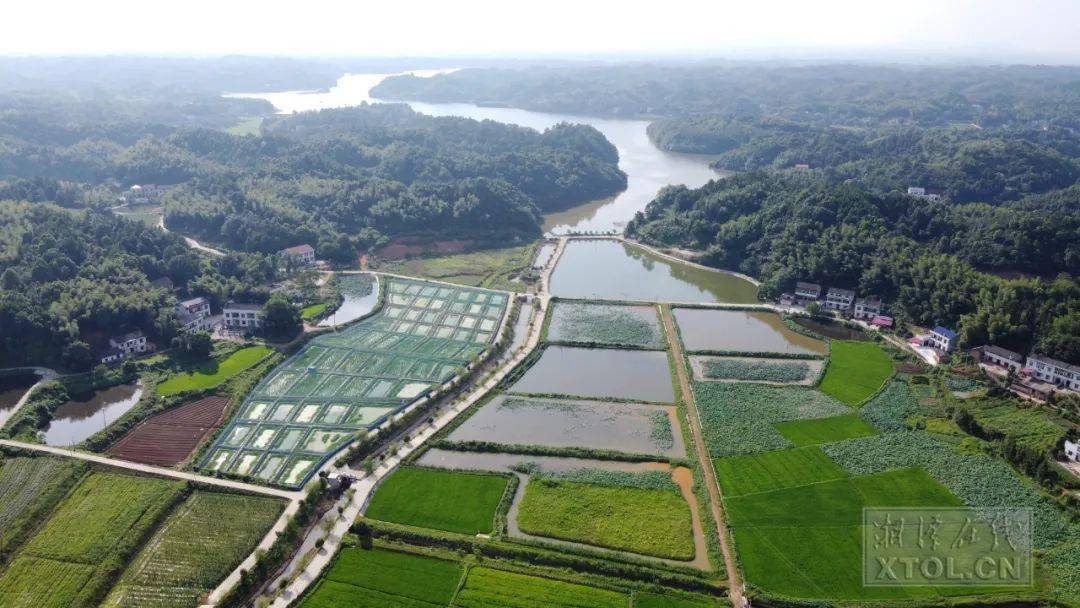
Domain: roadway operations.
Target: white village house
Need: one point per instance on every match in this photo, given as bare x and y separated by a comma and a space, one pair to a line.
919, 192
840, 299
194, 314
807, 291
300, 255
867, 308
941, 338
1058, 373
127, 345
243, 316
1002, 357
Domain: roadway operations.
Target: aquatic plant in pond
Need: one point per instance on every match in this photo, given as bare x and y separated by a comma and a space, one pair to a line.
606, 324
759, 371
890, 408
350, 380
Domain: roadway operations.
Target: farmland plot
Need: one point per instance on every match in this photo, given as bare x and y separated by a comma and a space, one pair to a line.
624, 427
385, 579
196, 547
29, 484
351, 380
443, 500
606, 324
856, 371
489, 588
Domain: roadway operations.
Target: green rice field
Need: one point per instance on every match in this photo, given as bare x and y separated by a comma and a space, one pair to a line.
213, 373
443, 500
339, 383
653, 600
645, 521
769, 471
378, 578
856, 370
195, 548
490, 588
816, 431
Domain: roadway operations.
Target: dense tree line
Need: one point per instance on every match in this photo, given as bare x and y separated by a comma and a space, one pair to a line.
66, 275
916, 254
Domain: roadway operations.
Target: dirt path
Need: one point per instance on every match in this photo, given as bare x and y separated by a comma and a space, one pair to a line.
735, 591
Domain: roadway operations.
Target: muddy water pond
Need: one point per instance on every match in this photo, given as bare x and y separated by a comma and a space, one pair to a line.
612, 270
12, 388
360, 293
501, 462
623, 427
593, 372
741, 331
83, 416
836, 331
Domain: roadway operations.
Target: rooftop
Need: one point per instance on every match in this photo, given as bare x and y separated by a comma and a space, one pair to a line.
840, 291
194, 302
1004, 353
305, 248
944, 331
1055, 363
242, 306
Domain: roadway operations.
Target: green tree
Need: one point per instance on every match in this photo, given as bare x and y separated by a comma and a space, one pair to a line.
280, 317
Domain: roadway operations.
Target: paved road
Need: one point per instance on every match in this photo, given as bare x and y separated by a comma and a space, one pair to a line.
45, 373
731, 565
190, 241
152, 470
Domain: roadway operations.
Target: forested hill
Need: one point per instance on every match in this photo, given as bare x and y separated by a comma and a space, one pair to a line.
342, 180
65, 274
345, 179
919, 255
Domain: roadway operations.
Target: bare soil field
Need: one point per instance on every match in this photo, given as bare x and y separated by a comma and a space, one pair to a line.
168, 438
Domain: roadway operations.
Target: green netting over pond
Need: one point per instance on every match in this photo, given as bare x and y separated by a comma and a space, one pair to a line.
311, 405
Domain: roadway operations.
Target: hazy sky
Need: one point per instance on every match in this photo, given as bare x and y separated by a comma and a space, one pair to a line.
1042, 30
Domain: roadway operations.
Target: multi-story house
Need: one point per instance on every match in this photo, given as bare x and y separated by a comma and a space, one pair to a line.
300, 255
806, 292
194, 314
867, 308
941, 338
1058, 373
247, 317
840, 299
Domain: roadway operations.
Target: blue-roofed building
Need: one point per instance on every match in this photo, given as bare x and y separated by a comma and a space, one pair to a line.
941, 338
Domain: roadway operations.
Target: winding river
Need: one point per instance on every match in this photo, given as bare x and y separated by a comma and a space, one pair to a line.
647, 167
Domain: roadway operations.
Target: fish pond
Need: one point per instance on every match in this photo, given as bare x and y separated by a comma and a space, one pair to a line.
831, 329
12, 388
608, 269
740, 331
360, 294
622, 427
599, 372
78, 419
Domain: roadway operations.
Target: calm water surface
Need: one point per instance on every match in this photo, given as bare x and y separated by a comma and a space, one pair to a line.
742, 331
612, 270
357, 300
78, 419
647, 167
624, 427
12, 388
835, 331
594, 372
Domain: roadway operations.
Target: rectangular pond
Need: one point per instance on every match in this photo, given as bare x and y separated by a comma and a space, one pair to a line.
612, 270
623, 427
594, 372
606, 324
741, 331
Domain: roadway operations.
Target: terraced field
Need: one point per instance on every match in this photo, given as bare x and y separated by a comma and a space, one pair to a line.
340, 383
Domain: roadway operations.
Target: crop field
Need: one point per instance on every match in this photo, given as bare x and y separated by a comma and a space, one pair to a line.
25, 482
606, 324
816, 431
94, 527
168, 438
805, 541
890, 408
385, 579
645, 521
489, 588
768, 471
443, 500
1030, 427
856, 371
194, 549
213, 373
624, 427
653, 600
491, 268
738, 418
755, 370
340, 383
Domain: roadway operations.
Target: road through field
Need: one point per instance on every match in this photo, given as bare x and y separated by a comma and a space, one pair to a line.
735, 591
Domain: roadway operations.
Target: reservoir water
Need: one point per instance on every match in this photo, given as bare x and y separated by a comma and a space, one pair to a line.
81, 417
647, 167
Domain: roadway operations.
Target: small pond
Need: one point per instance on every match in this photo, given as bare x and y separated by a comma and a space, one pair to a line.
623, 427
612, 270
78, 419
741, 331
360, 293
836, 331
593, 372
12, 388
